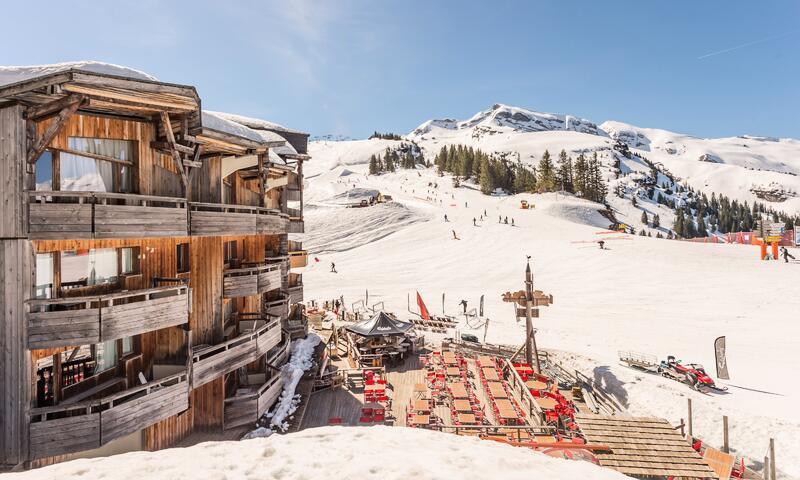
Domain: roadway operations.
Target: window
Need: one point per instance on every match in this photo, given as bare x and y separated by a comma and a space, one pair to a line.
44, 275
182, 251
127, 345
105, 355
96, 266
79, 173
227, 192
129, 260
230, 251
44, 172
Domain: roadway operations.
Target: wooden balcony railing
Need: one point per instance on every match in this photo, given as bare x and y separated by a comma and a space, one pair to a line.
90, 424
294, 194
280, 353
296, 226
210, 362
86, 215
251, 280
63, 322
278, 306
295, 288
294, 213
249, 404
225, 219
298, 258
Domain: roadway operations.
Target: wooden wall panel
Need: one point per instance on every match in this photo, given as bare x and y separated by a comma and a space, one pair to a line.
16, 285
208, 405
206, 185
206, 280
13, 145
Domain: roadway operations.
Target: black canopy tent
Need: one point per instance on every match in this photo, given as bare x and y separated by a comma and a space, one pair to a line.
380, 325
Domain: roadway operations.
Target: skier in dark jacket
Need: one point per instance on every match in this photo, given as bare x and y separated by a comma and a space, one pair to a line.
786, 255
463, 303
445, 218
333, 267
474, 224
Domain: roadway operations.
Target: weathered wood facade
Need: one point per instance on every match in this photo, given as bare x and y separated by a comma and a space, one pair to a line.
144, 267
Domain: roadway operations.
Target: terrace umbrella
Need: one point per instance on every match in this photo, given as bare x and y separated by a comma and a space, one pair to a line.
380, 325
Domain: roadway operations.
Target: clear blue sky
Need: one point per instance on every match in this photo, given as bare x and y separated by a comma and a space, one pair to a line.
349, 67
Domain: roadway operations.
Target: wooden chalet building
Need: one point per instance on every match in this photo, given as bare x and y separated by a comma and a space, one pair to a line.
145, 283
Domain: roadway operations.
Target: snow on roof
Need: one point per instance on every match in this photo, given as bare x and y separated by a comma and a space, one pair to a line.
15, 74
215, 121
383, 452
258, 124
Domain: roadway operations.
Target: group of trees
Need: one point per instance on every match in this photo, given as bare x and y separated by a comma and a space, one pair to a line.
406, 156
702, 216
385, 136
582, 177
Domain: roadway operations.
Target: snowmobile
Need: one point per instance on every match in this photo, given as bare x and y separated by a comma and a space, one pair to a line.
692, 374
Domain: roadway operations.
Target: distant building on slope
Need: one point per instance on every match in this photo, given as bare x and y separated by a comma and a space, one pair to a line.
145, 268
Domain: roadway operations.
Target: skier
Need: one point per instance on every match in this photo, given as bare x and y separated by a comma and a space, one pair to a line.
445, 218
474, 224
465, 204
505, 221
512, 222
786, 255
602, 244
499, 219
455, 237
485, 214
333, 268
464, 304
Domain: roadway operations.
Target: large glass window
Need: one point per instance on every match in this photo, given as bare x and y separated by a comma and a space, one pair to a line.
44, 171
129, 260
84, 173
105, 355
95, 266
44, 275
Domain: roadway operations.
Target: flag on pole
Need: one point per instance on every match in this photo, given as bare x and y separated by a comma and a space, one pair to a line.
423, 310
481, 309
722, 362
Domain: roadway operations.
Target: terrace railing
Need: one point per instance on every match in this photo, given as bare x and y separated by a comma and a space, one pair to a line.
62, 322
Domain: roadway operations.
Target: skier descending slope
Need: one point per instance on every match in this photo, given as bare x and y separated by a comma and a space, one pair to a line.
786, 255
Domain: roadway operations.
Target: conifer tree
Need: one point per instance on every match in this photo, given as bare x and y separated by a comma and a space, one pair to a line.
547, 177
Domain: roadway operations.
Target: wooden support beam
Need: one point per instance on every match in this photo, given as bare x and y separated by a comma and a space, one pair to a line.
166, 147
40, 112
95, 156
41, 143
176, 156
196, 160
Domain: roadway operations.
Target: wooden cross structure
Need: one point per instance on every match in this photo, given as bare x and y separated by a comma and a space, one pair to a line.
526, 306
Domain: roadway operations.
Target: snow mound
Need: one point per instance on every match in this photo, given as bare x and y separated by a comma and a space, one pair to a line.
302, 359
14, 74
572, 209
354, 195
331, 231
368, 453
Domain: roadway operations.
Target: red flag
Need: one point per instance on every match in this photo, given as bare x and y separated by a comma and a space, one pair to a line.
423, 310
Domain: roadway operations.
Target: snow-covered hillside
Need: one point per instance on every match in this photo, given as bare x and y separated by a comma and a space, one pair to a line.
657, 296
738, 167
368, 453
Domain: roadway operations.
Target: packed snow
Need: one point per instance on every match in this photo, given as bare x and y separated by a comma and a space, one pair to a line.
15, 74
219, 122
369, 453
656, 296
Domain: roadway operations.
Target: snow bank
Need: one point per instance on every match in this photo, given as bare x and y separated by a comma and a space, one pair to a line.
368, 453
14, 74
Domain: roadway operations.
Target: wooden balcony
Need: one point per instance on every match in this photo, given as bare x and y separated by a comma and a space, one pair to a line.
224, 219
251, 402
298, 258
64, 322
90, 424
295, 288
278, 306
251, 280
87, 215
210, 362
294, 194
296, 226
279, 354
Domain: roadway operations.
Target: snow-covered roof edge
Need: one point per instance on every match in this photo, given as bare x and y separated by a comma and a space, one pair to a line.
258, 124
